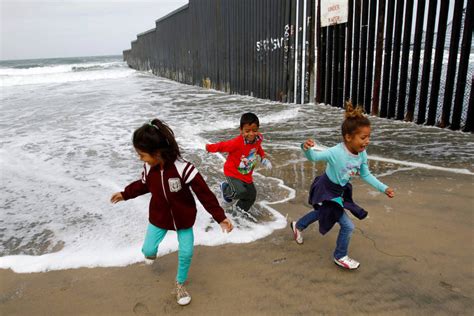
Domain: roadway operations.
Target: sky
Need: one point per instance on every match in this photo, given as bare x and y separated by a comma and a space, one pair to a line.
69, 28
32, 29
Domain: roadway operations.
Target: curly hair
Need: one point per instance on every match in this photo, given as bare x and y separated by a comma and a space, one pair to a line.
354, 118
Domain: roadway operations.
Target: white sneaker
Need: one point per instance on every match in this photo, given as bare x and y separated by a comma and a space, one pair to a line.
297, 234
347, 263
182, 296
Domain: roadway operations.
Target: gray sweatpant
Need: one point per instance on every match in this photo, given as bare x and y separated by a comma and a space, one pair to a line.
244, 192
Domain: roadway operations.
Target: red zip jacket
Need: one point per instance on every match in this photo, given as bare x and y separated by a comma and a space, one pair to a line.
172, 205
242, 156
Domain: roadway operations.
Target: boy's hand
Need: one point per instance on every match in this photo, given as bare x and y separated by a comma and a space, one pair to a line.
266, 163
226, 225
308, 144
116, 197
389, 192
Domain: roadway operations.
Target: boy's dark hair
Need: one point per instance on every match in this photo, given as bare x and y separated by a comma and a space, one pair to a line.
154, 137
249, 118
354, 118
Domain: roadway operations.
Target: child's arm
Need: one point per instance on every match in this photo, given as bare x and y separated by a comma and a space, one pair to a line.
367, 176
263, 160
135, 189
131, 191
221, 147
209, 201
313, 155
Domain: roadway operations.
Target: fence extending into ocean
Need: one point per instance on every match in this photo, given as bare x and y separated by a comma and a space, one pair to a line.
405, 60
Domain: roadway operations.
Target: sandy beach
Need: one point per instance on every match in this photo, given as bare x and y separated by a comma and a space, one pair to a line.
416, 254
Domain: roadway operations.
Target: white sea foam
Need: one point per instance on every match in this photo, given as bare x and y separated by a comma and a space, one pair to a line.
106, 254
45, 70
64, 149
421, 165
410, 164
74, 154
63, 73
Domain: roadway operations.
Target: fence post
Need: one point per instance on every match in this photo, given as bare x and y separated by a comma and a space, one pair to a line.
355, 50
378, 59
347, 82
453, 56
319, 58
329, 67
463, 65
438, 62
336, 74
405, 59
340, 84
370, 57
469, 126
425, 77
363, 53
388, 58
392, 104
415, 61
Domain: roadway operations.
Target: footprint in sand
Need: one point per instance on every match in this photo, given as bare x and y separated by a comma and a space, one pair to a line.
141, 309
449, 287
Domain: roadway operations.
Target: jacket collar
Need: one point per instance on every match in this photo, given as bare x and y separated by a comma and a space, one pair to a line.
256, 140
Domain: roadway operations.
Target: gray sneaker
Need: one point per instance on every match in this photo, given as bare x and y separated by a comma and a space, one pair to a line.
224, 185
297, 234
182, 296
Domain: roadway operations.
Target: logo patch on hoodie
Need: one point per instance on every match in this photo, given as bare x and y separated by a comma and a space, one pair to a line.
174, 184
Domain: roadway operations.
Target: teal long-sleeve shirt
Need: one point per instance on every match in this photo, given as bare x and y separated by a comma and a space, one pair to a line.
342, 165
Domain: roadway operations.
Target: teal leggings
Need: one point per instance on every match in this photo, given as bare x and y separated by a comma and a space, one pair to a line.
153, 238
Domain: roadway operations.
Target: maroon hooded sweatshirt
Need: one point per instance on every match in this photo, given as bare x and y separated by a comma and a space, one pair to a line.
172, 205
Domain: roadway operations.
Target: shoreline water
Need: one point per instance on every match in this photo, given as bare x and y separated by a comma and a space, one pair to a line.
412, 250
423, 230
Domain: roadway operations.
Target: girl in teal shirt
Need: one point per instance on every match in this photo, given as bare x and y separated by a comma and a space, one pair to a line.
332, 192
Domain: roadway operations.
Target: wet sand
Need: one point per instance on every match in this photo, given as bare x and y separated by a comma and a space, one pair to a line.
416, 254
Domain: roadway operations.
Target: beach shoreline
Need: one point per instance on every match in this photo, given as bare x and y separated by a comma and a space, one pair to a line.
415, 252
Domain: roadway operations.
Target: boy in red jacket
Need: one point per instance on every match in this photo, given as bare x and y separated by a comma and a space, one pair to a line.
241, 160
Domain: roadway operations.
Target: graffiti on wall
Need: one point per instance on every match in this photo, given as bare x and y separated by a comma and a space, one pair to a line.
270, 44
267, 45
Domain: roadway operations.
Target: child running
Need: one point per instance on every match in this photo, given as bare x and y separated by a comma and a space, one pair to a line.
169, 179
241, 160
331, 192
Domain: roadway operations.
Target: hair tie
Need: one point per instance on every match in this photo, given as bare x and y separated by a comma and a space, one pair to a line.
151, 124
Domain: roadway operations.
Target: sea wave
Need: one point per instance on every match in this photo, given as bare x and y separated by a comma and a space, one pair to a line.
39, 69
63, 73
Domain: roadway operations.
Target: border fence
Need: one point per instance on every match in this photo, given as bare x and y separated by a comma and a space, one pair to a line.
399, 59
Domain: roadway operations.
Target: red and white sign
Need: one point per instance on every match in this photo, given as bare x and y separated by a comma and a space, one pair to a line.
334, 12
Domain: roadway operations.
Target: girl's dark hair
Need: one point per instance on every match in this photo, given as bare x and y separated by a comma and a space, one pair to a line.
354, 118
154, 137
248, 118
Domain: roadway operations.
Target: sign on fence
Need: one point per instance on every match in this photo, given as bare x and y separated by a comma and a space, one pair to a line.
334, 12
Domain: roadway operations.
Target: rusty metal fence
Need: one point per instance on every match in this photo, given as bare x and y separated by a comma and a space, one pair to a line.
238, 46
401, 59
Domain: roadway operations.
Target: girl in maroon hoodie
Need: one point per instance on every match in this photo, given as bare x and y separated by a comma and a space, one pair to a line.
169, 179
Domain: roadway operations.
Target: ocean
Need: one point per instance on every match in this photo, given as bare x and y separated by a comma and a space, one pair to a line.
65, 147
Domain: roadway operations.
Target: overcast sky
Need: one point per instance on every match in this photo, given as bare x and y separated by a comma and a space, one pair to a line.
69, 28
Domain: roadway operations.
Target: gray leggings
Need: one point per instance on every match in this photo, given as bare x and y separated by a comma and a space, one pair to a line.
244, 192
